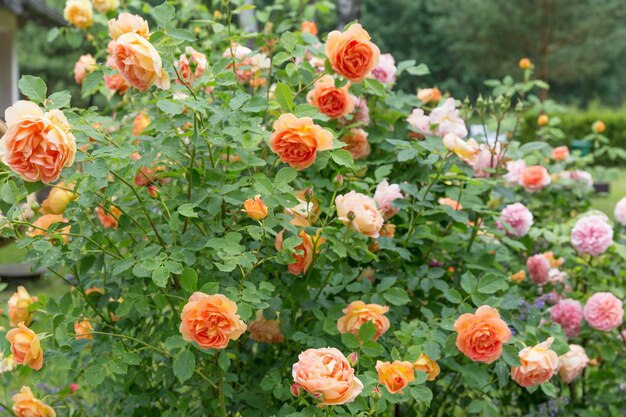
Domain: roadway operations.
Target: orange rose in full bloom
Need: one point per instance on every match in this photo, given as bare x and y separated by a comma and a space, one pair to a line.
357, 143
395, 375
535, 178
309, 27
128, 23
18, 307
109, 219
83, 329
358, 313
560, 153
329, 100
139, 63
297, 140
37, 145
211, 321
351, 53
25, 347
427, 365
26, 405
537, 364
255, 208
480, 335
266, 331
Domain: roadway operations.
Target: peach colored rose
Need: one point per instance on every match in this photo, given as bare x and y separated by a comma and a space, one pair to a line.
537, 364
105, 6
427, 365
7, 363
388, 230
518, 277
535, 178
306, 213
37, 145
327, 375
79, 13
357, 143
543, 120
248, 66
560, 153
359, 212
83, 329
211, 321
139, 63
351, 53
304, 251
572, 363
84, 65
395, 375
18, 307
428, 95
297, 140
309, 27
128, 23
266, 331
358, 313
446, 201
480, 335
467, 151
58, 199
25, 347
255, 208
140, 123
598, 126
26, 405
43, 223
332, 101
109, 218
191, 65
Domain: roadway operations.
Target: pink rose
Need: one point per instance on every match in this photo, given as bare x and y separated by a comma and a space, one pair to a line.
537, 364
569, 314
560, 153
446, 118
518, 217
578, 177
572, 363
139, 62
191, 65
515, 170
84, 65
386, 70
419, 121
487, 159
359, 212
539, 268
592, 235
385, 195
604, 311
620, 211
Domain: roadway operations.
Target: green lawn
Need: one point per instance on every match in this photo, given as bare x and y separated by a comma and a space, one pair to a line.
606, 203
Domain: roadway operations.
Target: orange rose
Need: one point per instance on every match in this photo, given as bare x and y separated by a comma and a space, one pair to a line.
58, 199
43, 223
598, 126
83, 329
306, 213
427, 95
388, 230
37, 145
211, 321
266, 331
79, 13
109, 218
543, 120
357, 143
560, 153
84, 65
525, 63
309, 27
255, 208
518, 276
297, 140
480, 335
304, 251
351, 53
358, 313
329, 100
26, 405
535, 178
25, 346
537, 364
396, 375
18, 307
139, 62
427, 365
140, 123
128, 23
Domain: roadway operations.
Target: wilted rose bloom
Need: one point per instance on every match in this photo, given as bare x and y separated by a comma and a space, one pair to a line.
569, 314
25, 347
388, 230
385, 195
358, 313
603, 311
359, 212
109, 218
140, 123
515, 169
255, 208
386, 70
487, 158
518, 217
537, 364
26, 405
535, 178
128, 23
18, 307
446, 119
427, 365
191, 65
538, 268
480, 335
395, 375
560, 153
447, 201
79, 13
329, 100
467, 151
83, 329
37, 145
297, 140
357, 143
351, 54
572, 363
58, 199
308, 27
419, 121
429, 94
84, 65
139, 62
105, 6
306, 213
266, 331
620, 211
592, 235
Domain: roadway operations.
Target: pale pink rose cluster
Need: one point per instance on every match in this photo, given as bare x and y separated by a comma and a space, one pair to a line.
572, 363
385, 195
515, 169
604, 311
569, 314
518, 218
538, 268
620, 211
386, 70
442, 120
578, 177
592, 235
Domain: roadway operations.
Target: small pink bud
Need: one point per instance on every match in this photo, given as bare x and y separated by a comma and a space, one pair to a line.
73, 388
376, 392
296, 390
353, 358
318, 396
154, 191
338, 179
308, 193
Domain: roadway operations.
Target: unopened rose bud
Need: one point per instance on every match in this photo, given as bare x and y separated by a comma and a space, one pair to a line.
154, 191
296, 390
73, 388
525, 63
543, 120
338, 180
318, 396
308, 194
353, 358
376, 392
255, 208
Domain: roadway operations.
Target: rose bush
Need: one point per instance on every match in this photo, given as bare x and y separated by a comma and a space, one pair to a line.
274, 230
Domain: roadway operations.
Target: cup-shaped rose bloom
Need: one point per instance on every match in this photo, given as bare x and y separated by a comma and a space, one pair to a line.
211, 321
332, 101
79, 13
535, 178
26, 405
351, 53
467, 151
569, 314
560, 153
385, 195
604, 311
454, 204
105, 6
18, 307
115, 82
358, 313
58, 199
25, 347
572, 363
538, 268
327, 375
255, 208
386, 70
357, 143
592, 235
620, 211
266, 331
396, 375
83, 329
128, 23
309, 27
428, 95
191, 65
427, 365
537, 364
139, 62
84, 65
518, 218
515, 170
297, 140
109, 219
359, 212
37, 145
480, 335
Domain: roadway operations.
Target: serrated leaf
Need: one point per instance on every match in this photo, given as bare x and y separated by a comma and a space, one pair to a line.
58, 100
284, 97
184, 365
33, 87
189, 280
342, 157
491, 283
160, 276
164, 14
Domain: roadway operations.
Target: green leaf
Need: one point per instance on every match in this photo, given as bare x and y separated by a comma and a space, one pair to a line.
59, 100
171, 106
160, 276
189, 280
175, 342
396, 296
418, 70
187, 210
342, 157
95, 375
97, 168
284, 96
468, 282
421, 394
549, 389
91, 83
182, 34
289, 40
491, 283
285, 176
367, 331
33, 87
453, 296
184, 365
164, 14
